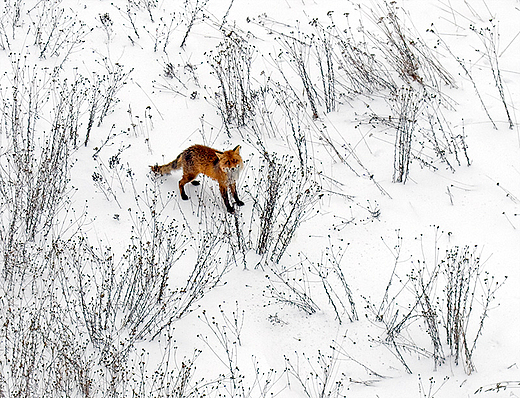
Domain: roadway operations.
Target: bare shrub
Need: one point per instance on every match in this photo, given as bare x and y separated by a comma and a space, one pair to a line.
171, 379
291, 287
468, 74
298, 52
323, 379
193, 10
123, 302
55, 32
231, 64
102, 95
464, 283
404, 51
360, 71
9, 22
365, 63
34, 174
134, 297
324, 49
335, 284
488, 36
148, 5
224, 342
423, 284
282, 197
407, 108
284, 188
106, 23
465, 276
113, 176
44, 352
422, 132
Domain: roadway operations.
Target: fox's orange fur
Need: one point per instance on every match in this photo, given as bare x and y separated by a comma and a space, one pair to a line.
223, 167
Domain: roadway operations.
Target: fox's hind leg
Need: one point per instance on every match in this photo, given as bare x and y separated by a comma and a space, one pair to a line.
184, 180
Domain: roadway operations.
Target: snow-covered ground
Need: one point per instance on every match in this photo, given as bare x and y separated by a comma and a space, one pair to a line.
123, 289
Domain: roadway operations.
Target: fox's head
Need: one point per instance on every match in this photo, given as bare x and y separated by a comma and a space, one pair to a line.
230, 162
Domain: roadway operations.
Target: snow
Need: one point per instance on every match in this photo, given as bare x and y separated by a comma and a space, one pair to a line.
382, 234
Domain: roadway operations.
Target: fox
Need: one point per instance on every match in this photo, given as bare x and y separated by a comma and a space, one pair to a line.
224, 167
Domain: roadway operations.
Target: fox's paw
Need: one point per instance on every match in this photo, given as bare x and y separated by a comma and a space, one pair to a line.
184, 196
240, 203
231, 209
195, 182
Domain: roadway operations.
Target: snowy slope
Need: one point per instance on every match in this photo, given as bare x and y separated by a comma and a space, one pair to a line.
138, 293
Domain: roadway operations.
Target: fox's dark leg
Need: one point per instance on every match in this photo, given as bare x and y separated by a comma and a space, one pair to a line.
223, 192
184, 180
235, 195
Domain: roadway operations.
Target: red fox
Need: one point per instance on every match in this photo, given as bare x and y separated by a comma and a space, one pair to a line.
223, 167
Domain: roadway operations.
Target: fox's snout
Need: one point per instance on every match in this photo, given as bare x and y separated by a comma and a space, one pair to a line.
231, 168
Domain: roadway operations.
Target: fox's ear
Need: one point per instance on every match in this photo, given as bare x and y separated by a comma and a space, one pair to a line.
219, 154
237, 149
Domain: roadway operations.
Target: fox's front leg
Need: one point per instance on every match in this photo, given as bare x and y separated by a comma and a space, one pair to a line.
224, 193
235, 195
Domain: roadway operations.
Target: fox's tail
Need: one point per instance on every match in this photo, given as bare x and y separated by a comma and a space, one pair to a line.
168, 167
